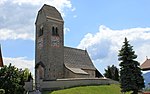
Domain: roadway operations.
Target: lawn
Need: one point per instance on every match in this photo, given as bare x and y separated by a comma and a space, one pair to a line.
102, 89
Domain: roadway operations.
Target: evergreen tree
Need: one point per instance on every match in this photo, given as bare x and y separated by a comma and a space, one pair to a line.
108, 73
130, 74
112, 73
116, 74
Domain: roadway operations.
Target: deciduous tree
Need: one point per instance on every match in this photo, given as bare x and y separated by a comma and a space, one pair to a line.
12, 79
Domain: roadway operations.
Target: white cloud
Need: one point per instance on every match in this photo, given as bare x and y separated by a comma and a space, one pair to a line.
18, 16
20, 62
66, 30
33, 2
75, 16
59, 4
11, 34
73, 9
2, 2
104, 45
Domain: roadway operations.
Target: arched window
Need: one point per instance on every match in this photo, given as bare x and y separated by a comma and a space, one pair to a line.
56, 30
41, 31
53, 31
40, 70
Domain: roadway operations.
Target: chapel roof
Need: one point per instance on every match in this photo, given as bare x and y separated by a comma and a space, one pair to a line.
49, 12
145, 65
77, 58
77, 70
1, 58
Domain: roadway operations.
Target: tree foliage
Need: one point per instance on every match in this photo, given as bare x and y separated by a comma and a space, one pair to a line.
130, 74
13, 79
112, 72
2, 91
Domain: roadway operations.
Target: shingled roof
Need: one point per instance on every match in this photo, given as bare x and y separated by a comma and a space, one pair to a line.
49, 12
77, 59
146, 65
1, 58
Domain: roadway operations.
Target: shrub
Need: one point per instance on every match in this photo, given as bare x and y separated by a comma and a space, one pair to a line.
2, 91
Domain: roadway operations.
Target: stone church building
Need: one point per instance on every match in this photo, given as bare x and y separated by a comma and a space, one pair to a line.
53, 60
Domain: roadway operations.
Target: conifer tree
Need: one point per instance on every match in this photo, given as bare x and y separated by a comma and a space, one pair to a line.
112, 73
130, 74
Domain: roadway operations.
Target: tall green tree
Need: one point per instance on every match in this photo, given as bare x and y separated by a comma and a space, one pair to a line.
112, 72
130, 74
12, 79
26, 74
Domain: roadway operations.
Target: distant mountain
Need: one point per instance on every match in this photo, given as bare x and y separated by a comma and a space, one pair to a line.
146, 78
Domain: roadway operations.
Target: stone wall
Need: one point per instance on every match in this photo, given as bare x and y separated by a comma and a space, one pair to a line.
29, 86
66, 83
90, 72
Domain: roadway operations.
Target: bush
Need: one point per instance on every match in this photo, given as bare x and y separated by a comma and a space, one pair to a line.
2, 91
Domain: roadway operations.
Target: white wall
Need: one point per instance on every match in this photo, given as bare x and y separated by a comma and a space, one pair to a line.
29, 86
66, 83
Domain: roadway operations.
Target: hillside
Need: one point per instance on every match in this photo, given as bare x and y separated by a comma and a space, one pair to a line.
102, 89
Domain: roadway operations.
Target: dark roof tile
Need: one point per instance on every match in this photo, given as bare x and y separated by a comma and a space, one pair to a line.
77, 58
51, 11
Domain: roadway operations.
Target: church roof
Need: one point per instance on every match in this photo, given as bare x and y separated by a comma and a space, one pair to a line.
1, 58
50, 12
77, 58
146, 65
77, 70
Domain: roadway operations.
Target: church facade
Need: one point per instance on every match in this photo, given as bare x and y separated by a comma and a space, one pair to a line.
53, 60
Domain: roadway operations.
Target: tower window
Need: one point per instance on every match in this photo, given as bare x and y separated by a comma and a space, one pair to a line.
41, 31
55, 31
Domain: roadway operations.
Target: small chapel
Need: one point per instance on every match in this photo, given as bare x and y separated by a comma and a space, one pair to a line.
53, 60
58, 66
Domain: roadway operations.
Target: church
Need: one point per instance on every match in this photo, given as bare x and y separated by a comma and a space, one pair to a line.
53, 60
58, 66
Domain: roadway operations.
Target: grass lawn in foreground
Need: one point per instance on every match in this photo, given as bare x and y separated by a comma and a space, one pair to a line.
102, 89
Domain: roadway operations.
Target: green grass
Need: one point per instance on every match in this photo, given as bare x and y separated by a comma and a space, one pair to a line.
102, 89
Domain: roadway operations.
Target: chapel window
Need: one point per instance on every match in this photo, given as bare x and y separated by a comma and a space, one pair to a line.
41, 72
41, 31
54, 31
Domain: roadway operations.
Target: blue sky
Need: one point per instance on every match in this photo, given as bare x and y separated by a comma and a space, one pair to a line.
99, 26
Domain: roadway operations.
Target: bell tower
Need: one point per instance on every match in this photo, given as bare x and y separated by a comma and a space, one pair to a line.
49, 54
